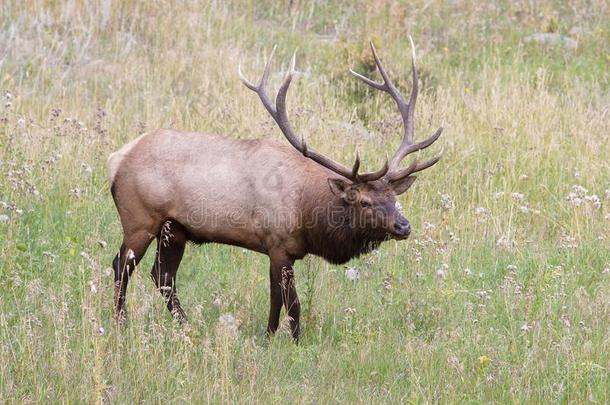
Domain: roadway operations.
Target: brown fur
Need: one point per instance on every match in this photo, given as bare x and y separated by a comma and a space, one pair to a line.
258, 194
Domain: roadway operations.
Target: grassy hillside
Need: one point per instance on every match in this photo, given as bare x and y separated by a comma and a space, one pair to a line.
502, 294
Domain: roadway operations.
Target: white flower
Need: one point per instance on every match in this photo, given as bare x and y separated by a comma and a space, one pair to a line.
525, 327
352, 273
101, 331
567, 241
441, 272
87, 168
92, 287
482, 214
467, 271
4, 218
505, 242
446, 202
594, 200
517, 196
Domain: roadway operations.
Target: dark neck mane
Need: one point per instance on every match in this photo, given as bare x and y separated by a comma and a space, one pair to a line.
340, 242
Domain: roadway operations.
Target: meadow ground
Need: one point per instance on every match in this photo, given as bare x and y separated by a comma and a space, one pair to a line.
502, 294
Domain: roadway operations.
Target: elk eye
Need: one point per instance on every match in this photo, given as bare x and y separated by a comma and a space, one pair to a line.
365, 204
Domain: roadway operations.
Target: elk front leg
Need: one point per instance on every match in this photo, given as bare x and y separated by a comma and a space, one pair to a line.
283, 291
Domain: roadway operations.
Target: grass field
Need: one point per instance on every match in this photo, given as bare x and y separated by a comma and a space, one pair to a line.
501, 295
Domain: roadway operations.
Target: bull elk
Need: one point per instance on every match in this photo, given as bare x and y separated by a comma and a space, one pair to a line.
285, 201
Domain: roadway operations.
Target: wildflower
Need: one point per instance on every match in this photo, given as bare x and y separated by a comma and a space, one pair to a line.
482, 214
524, 209
352, 273
102, 243
76, 192
525, 327
505, 242
467, 271
87, 168
523, 177
484, 361
92, 287
101, 331
441, 272
50, 255
498, 194
606, 270
594, 201
567, 241
447, 203
429, 226
517, 196
4, 218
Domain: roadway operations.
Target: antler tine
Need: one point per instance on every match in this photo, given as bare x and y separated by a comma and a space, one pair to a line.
356, 166
279, 114
414, 167
260, 87
407, 111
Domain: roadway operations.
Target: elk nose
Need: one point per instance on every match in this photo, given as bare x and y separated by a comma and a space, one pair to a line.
402, 227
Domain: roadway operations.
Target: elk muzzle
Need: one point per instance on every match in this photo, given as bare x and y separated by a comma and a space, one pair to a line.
402, 228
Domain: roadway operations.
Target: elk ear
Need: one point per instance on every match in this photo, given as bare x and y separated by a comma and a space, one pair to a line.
401, 185
338, 187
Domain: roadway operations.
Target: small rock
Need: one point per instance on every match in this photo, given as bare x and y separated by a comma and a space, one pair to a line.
352, 273
229, 324
552, 38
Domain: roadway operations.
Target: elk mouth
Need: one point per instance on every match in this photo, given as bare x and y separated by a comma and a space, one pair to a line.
399, 237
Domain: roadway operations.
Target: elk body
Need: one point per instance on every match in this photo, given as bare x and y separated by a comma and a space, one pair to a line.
282, 200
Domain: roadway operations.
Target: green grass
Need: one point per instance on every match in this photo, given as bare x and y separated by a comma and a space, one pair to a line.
498, 297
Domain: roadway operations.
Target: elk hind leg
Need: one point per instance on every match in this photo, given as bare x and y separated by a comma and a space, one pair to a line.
170, 248
132, 250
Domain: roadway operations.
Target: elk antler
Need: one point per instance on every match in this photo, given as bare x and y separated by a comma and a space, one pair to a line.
278, 112
406, 111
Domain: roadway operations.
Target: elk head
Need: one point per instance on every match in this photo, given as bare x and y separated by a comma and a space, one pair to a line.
370, 198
